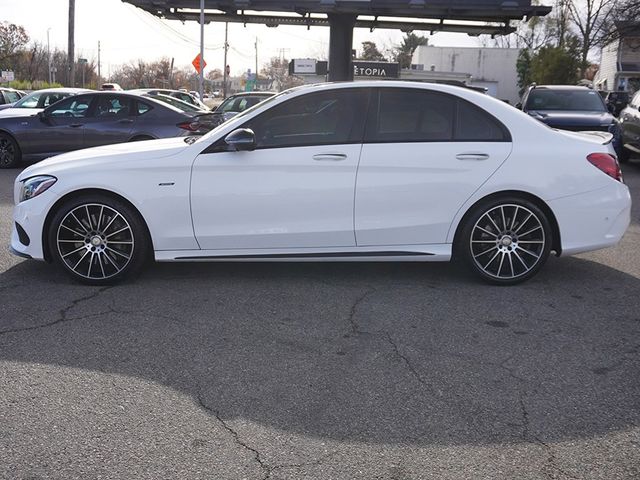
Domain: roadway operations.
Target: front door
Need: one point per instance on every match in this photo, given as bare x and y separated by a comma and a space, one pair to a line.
296, 189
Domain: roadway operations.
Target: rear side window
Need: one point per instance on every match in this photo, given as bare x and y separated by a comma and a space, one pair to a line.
142, 108
474, 124
412, 115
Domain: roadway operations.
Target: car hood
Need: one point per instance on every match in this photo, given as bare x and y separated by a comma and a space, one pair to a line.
108, 154
558, 119
19, 112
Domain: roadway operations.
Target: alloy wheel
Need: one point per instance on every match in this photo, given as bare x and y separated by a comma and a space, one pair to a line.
7, 152
95, 241
507, 241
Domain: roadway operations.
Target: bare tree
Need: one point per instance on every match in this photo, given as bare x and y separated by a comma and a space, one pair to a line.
592, 19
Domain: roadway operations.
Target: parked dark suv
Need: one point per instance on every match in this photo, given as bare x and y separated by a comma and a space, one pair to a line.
574, 108
630, 123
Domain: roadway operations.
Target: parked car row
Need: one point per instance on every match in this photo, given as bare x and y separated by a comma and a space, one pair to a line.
577, 108
53, 121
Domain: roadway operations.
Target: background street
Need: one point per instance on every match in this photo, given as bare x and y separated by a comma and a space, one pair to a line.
322, 371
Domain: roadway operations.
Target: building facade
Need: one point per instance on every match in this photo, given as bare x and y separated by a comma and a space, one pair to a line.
491, 68
620, 62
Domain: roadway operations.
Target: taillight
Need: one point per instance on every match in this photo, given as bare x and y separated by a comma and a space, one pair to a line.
606, 163
191, 126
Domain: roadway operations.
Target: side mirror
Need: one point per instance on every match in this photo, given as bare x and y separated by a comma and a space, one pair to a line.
242, 139
519, 106
611, 107
42, 115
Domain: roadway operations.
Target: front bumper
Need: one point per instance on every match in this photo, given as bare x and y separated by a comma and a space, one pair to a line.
31, 216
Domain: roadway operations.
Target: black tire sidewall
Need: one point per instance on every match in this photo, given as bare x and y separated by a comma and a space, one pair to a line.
17, 156
142, 244
464, 241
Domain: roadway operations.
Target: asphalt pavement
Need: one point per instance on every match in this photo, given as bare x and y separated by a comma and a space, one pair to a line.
322, 371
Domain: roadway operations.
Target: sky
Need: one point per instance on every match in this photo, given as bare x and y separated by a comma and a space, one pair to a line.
127, 33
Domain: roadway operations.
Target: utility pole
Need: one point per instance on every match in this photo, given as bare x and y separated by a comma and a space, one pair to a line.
226, 47
70, 52
99, 78
49, 55
201, 86
256, 45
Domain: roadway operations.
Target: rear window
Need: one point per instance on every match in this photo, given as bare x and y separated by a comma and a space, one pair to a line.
571, 100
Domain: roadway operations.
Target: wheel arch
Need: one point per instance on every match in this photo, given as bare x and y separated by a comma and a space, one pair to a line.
78, 193
556, 244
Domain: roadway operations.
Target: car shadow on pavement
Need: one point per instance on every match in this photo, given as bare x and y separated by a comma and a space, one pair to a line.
377, 353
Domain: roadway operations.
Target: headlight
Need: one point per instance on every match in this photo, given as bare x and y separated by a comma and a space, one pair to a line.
34, 186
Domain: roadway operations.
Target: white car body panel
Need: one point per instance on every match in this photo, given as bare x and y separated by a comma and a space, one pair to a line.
411, 199
274, 198
304, 216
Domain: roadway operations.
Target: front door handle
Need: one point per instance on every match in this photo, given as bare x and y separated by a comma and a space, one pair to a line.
76, 125
329, 157
472, 156
125, 120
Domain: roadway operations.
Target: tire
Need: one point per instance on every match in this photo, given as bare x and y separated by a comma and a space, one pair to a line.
505, 240
10, 154
98, 240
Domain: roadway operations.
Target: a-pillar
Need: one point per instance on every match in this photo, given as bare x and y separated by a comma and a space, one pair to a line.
340, 45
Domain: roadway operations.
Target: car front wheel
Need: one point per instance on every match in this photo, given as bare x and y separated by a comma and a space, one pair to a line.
10, 155
506, 240
98, 240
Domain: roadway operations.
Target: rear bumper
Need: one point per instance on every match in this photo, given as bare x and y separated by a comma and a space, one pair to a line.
593, 220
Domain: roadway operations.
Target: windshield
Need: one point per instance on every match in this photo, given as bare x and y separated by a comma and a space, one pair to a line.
574, 100
40, 99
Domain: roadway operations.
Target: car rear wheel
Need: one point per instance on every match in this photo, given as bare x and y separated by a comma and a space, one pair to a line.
98, 240
10, 155
506, 240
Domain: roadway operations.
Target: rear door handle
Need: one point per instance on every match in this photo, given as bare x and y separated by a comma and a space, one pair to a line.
329, 157
125, 120
472, 156
76, 125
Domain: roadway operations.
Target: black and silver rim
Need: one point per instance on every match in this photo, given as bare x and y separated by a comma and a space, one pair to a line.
95, 241
7, 152
507, 241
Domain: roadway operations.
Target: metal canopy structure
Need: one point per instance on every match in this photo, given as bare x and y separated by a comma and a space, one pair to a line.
474, 17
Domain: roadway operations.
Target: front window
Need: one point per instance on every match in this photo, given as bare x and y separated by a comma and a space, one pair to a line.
571, 100
75, 107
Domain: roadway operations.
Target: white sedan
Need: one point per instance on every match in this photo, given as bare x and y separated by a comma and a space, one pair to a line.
362, 171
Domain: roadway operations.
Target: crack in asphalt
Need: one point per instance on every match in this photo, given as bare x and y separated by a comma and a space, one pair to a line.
257, 456
236, 437
63, 312
355, 327
406, 361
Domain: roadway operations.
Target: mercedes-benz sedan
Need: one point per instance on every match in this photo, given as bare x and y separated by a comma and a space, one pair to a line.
340, 172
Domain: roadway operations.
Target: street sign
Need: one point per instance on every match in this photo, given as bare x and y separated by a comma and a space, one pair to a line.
83, 60
199, 63
7, 76
375, 69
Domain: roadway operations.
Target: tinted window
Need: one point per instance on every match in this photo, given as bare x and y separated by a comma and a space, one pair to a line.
572, 100
111, 106
12, 97
143, 108
334, 117
410, 115
474, 124
75, 107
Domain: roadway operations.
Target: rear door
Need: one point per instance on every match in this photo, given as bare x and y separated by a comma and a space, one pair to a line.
110, 121
425, 153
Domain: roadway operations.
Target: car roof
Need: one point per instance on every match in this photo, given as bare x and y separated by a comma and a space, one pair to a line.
562, 87
253, 94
